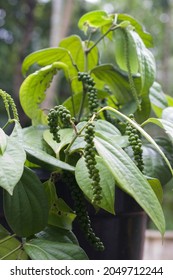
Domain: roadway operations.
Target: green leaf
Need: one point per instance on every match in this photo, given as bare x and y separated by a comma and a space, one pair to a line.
107, 183
10, 249
131, 180
94, 19
157, 188
56, 234
154, 164
3, 141
39, 249
38, 153
118, 83
73, 44
45, 57
141, 130
26, 210
165, 124
125, 50
60, 214
146, 37
32, 91
158, 99
77, 97
167, 114
66, 135
12, 164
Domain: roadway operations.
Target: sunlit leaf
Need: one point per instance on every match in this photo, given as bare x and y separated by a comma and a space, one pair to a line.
131, 180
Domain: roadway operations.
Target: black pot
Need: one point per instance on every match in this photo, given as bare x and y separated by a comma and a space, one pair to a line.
122, 234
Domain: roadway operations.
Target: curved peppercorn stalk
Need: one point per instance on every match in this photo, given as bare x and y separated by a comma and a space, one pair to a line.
81, 211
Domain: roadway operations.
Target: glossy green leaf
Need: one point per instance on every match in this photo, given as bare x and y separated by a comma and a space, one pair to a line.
38, 152
26, 210
66, 136
158, 99
107, 183
154, 164
39, 249
169, 100
45, 57
12, 164
131, 180
73, 44
32, 91
77, 97
125, 50
167, 114
118, 83
56, 234
147, 66
3, 141
94, 19
157, 188
163, 123
141, 130
146, 37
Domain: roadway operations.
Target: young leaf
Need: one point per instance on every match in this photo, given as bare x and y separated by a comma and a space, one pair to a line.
131, 180
107, 183
94, 19
38, 249
26, 210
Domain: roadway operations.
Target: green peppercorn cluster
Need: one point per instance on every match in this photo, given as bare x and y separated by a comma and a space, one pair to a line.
81, 212
89, 87
9, 103
136, 144
89, 155
58, 117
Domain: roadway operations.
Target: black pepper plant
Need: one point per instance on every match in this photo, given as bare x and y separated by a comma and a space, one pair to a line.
94, 141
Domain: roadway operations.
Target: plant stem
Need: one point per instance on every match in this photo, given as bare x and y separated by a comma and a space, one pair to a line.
112, 28
82, 101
